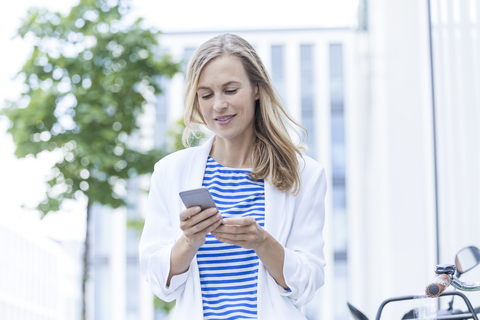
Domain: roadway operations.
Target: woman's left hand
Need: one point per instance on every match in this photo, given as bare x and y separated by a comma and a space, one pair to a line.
248, 234
244, 232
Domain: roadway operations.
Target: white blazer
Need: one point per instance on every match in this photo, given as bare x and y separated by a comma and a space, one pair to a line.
296, 222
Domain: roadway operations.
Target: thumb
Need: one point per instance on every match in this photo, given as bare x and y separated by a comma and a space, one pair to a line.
244, 221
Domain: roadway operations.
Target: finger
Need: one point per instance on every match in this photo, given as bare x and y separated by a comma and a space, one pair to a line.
244, 221
240, 243
202, 216
191, 226
232, 237
197, 217
205, 214
201, 226
187, 213
232, 229
210, 228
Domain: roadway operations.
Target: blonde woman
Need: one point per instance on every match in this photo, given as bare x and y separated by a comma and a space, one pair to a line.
260, 255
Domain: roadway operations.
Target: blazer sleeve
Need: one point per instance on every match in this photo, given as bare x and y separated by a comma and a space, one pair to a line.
304, 262
157, 241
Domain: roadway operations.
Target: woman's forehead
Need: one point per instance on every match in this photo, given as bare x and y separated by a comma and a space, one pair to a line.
221, 71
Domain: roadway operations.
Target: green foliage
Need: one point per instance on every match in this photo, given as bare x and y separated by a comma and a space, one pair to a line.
136, 225
87, 80
175, 134
159, 304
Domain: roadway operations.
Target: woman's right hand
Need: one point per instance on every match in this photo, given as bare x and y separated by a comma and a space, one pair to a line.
196, 224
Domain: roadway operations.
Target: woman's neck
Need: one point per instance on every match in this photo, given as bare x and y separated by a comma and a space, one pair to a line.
233, 154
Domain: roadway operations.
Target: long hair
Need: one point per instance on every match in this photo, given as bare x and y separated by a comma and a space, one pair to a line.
274, 154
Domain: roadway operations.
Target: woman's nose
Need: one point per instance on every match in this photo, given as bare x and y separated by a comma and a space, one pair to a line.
220, 104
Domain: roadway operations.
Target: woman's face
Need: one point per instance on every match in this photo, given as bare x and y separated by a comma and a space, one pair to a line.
227, 98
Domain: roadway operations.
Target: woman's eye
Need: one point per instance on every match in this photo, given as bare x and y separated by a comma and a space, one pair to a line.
231, 91
206, 96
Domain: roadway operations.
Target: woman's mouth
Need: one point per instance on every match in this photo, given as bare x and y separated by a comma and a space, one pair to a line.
224, 120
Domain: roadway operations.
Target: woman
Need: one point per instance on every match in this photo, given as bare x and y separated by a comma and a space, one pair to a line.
260, 255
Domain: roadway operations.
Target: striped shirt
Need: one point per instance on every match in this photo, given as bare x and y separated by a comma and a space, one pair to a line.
229, 273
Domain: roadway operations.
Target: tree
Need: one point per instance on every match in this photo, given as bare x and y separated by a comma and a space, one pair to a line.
89, 77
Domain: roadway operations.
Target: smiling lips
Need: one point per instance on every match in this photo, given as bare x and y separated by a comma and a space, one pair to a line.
224, 120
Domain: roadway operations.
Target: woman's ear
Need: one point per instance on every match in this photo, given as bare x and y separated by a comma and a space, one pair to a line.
257, 92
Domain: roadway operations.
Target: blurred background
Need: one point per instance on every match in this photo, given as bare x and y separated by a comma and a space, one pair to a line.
91, 97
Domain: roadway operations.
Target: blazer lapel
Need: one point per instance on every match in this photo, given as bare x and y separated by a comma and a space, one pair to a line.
275, 212
193, 179
196, 165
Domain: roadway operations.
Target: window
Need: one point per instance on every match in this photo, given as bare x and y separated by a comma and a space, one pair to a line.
161, 108
338, 179
278, 72
306, 92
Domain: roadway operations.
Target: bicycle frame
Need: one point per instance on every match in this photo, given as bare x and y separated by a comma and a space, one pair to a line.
472, 314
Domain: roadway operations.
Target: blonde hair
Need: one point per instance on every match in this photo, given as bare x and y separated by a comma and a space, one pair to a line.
275, 154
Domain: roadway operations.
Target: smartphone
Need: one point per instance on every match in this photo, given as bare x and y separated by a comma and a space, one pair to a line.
198, 197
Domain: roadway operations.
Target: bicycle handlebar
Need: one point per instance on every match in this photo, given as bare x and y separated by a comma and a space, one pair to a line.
438, 285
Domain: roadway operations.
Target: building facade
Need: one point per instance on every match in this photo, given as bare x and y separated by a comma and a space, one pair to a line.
413, 147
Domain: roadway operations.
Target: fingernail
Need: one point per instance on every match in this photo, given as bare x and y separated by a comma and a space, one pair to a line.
213, 210
225, 221
197, 209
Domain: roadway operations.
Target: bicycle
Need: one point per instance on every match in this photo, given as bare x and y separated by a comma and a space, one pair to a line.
465, 260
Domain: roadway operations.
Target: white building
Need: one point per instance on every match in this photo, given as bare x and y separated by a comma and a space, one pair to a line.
413, 147
38, 279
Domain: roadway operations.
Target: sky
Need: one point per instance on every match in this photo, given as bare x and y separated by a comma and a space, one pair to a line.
22, 181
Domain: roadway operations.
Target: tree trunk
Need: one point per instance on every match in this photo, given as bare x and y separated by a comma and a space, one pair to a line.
86, 262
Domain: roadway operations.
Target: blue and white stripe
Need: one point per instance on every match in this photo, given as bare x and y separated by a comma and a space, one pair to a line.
229, 273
